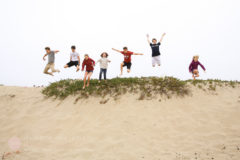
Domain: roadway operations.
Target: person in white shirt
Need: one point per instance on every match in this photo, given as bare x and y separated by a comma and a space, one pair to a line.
103, 66
74, 59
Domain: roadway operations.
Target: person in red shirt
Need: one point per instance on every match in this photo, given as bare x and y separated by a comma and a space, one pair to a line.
89, 63
127, 58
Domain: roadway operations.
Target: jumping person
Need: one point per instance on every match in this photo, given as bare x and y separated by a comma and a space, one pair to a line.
155, 50
51, 59
127, 58
89, 63
74, 59
193, 67
103, 66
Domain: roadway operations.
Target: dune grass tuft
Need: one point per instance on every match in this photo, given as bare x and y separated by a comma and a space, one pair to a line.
146, 87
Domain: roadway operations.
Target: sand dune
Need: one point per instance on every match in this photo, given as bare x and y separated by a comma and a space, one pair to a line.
203, 126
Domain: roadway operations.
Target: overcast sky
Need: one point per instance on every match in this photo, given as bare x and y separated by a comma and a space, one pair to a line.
209, 28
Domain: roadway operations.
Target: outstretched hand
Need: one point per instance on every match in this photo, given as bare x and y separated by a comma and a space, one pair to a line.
164, 34
147, 35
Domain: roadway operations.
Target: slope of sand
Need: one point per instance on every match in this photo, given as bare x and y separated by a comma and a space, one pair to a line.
204, 126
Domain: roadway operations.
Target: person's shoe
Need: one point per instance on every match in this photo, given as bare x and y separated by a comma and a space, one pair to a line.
83, 87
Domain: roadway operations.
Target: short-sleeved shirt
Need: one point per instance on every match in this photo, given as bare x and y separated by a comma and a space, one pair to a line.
51, 57
127, 56
74, 56
155, 49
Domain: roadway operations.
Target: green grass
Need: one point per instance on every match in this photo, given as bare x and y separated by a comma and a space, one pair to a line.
146, 87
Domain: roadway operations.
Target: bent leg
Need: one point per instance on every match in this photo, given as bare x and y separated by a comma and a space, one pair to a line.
53, 69
46, 70
121, 67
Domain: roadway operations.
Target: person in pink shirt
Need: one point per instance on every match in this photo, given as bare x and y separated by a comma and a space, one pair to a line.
89, 63
193, 67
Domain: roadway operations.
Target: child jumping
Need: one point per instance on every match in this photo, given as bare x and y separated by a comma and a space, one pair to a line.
155, 50
74, 59
51, 59
103, 66
89, 63
127, 58
193, 67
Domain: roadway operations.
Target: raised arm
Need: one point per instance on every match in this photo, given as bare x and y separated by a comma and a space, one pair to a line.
162, 37
148, 39
56, 51
116, 50
137, 54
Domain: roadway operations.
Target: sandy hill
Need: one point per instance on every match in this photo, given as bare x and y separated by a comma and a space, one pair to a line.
203, 125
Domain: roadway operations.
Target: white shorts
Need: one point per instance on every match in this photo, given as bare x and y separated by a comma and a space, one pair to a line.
156, 60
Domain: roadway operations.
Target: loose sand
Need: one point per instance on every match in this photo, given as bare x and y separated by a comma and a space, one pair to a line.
203, 126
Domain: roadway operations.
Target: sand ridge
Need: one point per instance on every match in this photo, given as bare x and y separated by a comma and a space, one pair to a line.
202, 126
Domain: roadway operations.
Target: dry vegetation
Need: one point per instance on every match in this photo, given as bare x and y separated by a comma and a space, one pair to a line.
145, 87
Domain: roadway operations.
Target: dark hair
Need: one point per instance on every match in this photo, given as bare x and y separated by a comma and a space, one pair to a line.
125, 48
73, 47
104, 53
47, 48
154, 39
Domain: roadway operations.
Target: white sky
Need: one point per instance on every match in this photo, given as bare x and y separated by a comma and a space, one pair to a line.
209, 28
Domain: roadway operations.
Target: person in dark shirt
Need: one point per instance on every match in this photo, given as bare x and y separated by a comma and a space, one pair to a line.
89, 63
127, 58
155, 50
193, 67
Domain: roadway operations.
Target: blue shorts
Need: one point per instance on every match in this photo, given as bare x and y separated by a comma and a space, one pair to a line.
89, 71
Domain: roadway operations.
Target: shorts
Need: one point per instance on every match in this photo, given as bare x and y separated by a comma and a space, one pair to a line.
72, 63
128, 64
50, 66
156, 60
89, 71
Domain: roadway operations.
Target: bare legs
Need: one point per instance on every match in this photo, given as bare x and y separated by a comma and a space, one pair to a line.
195, 74
78, 68
121, 68
87, 76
